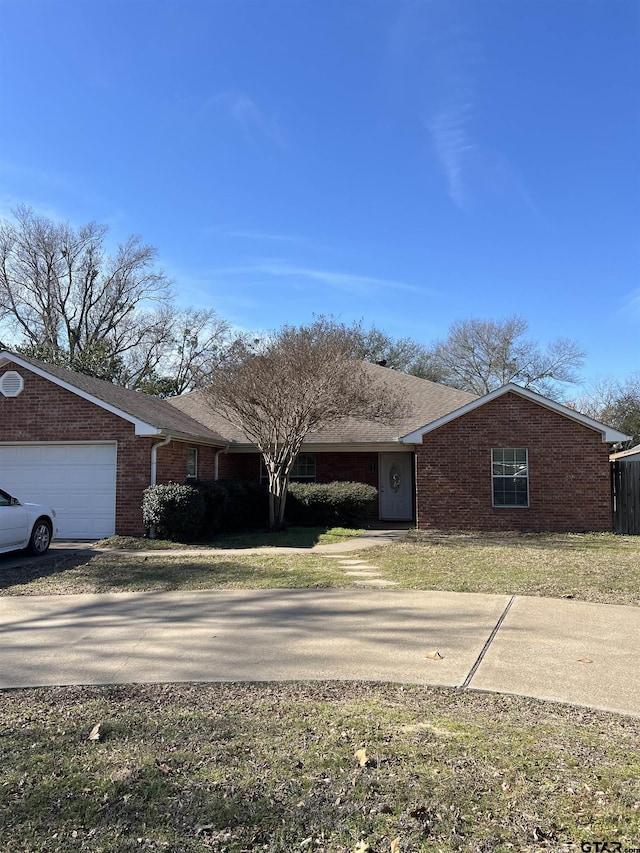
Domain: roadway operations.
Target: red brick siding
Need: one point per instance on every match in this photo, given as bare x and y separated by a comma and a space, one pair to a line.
46, 412
172, 462
330, 468
569, 486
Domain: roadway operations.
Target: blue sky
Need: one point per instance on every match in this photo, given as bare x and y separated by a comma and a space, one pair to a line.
404, 163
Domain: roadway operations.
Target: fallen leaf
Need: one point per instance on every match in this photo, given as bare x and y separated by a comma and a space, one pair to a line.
94, 734
395, 845
585, 660
361, 847
434, 656
361, 756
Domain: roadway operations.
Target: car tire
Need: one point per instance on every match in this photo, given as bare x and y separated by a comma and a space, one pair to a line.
40, 538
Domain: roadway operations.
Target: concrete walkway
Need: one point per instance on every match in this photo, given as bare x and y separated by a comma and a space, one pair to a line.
569, 651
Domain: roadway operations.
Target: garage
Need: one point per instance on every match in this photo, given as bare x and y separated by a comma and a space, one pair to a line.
77, 479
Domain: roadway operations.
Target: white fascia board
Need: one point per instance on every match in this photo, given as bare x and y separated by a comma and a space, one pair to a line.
609, 435
326, 447
189, 438
141, 427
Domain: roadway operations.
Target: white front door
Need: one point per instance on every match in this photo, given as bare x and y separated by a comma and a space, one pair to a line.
396, 487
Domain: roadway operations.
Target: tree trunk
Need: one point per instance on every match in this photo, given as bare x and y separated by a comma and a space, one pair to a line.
277, 499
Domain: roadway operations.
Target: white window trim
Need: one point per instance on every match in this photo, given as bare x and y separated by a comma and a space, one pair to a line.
495, 477
192, 476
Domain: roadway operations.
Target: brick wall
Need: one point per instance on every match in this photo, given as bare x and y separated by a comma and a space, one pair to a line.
330, 467
172, 462
45, 412
569, 485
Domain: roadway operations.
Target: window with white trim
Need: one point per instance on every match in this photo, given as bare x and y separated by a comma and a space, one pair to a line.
510, 476
303, 470
192, 462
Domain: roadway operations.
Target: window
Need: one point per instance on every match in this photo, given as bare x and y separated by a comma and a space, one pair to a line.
510, 474
303, 470
192, 462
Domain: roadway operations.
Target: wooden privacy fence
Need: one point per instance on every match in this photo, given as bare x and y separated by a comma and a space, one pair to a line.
625, 490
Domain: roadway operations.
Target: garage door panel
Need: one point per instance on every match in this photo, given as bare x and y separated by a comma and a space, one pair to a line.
77, 480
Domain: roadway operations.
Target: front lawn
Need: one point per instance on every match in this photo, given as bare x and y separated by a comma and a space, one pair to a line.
592, 567
325, 767
292, 537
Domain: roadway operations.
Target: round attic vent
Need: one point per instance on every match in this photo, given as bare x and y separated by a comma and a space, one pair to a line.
11, 384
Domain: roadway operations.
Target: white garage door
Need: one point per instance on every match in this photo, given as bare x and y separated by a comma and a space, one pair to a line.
77, 480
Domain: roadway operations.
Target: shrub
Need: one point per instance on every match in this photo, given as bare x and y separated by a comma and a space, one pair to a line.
330, 504
232, 505
176, 512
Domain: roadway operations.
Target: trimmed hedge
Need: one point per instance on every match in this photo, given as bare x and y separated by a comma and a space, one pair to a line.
175, 512
203, 508
233, 505
330, 504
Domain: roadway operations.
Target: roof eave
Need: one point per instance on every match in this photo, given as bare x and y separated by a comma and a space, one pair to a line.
141, 428
609, 435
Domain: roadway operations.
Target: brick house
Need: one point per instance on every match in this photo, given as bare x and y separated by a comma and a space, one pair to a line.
511, 460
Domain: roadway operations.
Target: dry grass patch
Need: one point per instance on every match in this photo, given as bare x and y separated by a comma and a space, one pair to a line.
234, 768
591, 567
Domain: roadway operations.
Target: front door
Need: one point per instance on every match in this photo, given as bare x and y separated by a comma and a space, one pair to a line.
396, 487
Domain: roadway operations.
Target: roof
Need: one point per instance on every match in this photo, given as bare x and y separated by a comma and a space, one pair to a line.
609, 435
631, 454
150, 415
428, 400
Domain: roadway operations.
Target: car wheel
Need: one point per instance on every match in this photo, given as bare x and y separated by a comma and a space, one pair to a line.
40, 537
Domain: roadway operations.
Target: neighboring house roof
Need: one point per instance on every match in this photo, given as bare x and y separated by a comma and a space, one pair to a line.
630, 455
428, 401
150, 415
609, 435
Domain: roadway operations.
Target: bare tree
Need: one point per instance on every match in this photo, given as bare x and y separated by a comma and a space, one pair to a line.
614, 402
403, 354
63, 299
481, 355
297, 380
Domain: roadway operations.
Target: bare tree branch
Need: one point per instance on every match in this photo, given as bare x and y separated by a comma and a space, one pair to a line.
296, 381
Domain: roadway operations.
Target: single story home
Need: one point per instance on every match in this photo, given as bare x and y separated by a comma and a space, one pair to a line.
510, 460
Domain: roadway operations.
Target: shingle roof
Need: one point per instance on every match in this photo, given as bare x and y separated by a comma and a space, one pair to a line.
150, 410
428, 400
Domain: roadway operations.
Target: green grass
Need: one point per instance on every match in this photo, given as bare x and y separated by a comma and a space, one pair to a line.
592, 567
292, 537
233, 767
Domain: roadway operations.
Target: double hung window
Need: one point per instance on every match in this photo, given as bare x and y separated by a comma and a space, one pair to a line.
510, 476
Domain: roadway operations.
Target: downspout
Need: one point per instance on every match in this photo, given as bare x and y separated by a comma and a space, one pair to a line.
154, 471
215, 461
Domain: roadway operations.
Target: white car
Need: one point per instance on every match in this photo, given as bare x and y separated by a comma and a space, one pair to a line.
25, 525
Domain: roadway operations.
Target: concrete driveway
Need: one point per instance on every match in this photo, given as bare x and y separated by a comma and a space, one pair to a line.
570, 651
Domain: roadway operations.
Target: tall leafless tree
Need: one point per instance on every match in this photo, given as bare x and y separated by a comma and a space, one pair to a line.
64, 299
482, 355
615, 402
295, 381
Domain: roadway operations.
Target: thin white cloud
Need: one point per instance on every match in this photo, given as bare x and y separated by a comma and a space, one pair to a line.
254, 122
449, 129
350, 282
631, 307
262, 236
